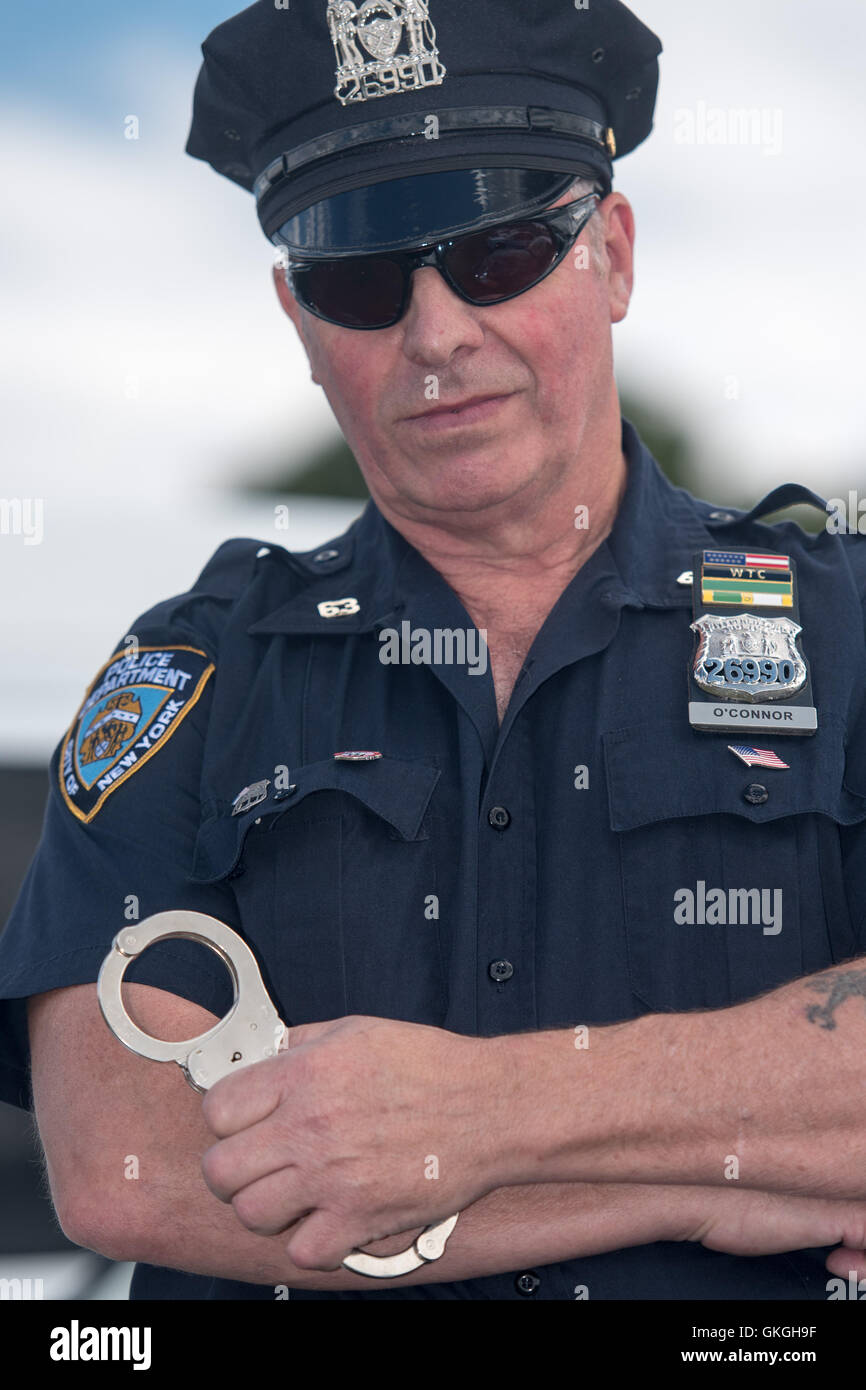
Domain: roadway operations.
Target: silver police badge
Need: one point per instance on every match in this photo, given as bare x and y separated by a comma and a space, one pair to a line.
745, 657
400, 40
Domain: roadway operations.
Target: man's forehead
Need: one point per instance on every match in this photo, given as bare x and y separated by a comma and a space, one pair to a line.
327, 112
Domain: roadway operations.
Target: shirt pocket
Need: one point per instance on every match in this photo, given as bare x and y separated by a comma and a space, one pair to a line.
726, 893
332, 883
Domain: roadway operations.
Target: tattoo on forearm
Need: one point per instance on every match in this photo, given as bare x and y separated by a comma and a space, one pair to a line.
838, 987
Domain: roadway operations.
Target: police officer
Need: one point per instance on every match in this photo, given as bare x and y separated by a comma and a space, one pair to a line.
557, 947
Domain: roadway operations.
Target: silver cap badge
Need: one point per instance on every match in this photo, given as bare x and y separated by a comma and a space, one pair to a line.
400, 39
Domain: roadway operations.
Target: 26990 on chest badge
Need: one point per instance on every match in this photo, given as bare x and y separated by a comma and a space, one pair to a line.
748, 673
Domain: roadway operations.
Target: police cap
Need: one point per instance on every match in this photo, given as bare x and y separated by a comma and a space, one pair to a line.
385, 124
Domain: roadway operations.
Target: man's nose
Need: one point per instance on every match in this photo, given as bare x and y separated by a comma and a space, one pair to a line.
438, 322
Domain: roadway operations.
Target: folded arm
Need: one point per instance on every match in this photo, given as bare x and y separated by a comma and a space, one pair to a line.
99, 1107
769, 1093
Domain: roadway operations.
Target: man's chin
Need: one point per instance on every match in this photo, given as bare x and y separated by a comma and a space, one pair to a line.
462, 493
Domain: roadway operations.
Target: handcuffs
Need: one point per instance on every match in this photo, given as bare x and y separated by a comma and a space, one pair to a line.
250, 1032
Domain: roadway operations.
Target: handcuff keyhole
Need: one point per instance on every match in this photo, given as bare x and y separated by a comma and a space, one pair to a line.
237, 1056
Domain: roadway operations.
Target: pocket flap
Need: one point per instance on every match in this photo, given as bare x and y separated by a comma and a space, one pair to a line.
665, 770
395, 789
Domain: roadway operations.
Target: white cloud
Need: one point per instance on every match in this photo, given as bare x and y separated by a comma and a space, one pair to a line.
144, 344
143, 341
749, 263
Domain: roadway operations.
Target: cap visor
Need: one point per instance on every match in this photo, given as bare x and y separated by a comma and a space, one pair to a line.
421, 209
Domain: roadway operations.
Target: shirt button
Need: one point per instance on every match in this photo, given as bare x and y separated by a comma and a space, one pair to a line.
324, 555
721, 516
756, 794
498, 817
527, 1283
500, 970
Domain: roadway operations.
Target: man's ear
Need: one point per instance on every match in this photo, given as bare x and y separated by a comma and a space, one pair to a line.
295, 313
619, 237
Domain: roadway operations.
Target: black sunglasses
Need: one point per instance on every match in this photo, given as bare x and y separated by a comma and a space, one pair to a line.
484, 267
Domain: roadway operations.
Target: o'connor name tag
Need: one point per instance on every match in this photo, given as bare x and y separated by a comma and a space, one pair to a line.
748, 671
793, 719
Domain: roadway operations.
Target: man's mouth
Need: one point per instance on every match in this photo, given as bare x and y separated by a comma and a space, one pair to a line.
473, 407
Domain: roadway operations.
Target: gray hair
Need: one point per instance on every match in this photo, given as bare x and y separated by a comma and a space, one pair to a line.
593, 228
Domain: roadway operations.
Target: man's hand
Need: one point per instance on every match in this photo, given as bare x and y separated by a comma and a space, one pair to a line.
741, 1221
365, 1128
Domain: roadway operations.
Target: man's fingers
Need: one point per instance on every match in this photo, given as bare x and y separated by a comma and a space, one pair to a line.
245, 1097
845, 1262
272, 1204
251, 1094
243, 1159
322, 1241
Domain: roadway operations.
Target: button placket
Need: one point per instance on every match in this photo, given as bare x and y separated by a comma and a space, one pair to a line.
506, 890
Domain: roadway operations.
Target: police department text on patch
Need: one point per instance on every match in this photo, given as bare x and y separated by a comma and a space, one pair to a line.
133, 707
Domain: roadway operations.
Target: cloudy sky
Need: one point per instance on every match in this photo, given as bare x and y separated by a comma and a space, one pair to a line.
145, 362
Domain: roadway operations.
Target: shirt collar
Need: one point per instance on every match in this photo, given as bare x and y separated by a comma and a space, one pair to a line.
362, 564
656, 533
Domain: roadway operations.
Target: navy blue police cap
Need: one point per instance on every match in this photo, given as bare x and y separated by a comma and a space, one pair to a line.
394, 122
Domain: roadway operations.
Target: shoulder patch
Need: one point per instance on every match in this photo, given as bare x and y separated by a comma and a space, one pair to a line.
130, 711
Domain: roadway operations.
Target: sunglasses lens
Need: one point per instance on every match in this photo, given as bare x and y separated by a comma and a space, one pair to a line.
484, 267
502, 261
359, 292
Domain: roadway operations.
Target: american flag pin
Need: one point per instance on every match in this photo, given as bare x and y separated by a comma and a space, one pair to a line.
356, 756
756, 757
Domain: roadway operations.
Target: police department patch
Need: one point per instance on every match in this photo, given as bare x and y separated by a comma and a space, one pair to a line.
132, 708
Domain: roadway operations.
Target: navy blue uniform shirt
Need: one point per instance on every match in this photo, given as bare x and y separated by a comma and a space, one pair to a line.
471, 878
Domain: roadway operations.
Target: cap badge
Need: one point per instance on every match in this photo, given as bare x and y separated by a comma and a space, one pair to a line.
400, 39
